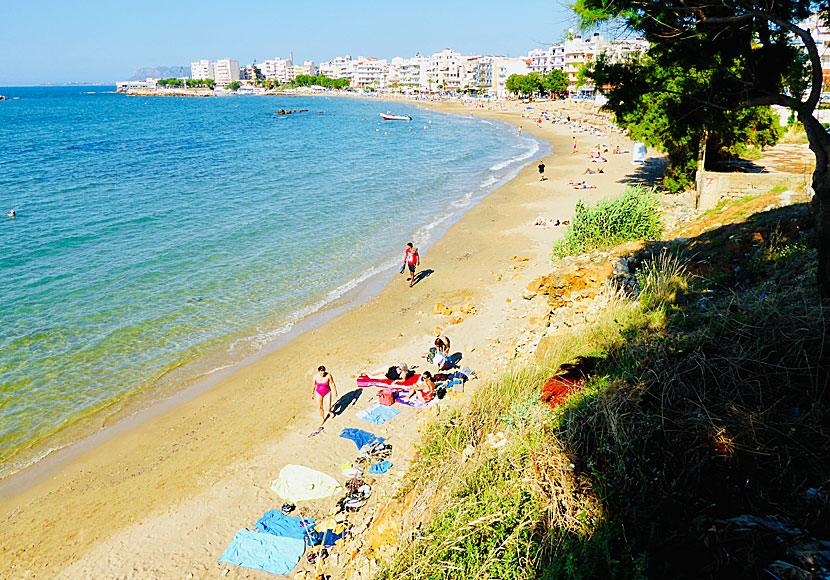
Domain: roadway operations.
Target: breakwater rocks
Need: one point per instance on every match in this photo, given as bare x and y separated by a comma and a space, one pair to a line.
288, 112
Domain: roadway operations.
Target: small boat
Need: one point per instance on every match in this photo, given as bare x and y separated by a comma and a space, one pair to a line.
391, 117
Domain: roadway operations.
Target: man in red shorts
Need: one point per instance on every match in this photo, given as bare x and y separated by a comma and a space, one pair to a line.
412, 260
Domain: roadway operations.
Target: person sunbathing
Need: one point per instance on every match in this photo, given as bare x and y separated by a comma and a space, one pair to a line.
546, 222
583, 185
590, 171
398, 372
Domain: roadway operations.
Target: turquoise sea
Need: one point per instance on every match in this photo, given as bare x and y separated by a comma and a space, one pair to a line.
158, 239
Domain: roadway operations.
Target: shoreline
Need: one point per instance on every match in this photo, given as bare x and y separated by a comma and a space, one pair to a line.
237, 433
194, 378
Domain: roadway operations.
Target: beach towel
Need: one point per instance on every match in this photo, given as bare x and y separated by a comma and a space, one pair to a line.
277, 523
361, 438
329, 538
416, 403
381, 467
297, 483
377, 414
266, 552
364, 381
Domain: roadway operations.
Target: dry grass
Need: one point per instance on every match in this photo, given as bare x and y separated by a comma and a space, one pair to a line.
709, 404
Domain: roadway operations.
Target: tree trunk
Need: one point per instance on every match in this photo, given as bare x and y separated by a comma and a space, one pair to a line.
701, 167
820, 145
821, 186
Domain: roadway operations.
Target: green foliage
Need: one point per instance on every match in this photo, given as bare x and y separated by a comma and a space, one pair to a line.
525, 85
321, 81
170, 82
665, 118
707, 62
234, 86
555, 82
207, 83
631, 216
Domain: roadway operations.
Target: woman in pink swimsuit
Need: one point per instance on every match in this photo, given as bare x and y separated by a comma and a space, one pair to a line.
324, 387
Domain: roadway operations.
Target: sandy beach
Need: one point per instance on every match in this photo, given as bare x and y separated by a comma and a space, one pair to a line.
164, 498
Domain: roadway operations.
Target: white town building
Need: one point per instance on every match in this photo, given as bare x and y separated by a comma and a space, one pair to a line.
497, 69
341, 67
277, 69
443, 71
369, 73
201, 70
226, 71
545, 60
580, 52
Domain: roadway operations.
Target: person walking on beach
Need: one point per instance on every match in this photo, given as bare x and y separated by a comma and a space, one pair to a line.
323, 387
412, 259
541, 170
573, 149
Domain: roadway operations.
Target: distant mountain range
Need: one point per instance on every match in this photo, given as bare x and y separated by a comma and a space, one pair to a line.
161, 72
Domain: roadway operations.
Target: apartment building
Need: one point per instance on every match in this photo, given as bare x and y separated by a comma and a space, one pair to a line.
201, 70
277, 69
407, 72
369, 73
581, 52
496, 71
226, 71
443, 70
341, 67
545, 60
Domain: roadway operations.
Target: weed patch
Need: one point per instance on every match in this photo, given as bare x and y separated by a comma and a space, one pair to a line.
631, 216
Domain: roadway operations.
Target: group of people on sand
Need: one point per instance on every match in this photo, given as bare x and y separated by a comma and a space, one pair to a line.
548, 222
324, 389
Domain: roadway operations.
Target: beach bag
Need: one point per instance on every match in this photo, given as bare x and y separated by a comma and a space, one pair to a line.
431, 354
386, 397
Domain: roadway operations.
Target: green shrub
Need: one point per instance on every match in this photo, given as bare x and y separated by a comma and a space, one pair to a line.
631, 216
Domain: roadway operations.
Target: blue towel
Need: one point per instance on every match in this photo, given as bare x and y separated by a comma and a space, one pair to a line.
381, 467
328, 539
377, 414
264, 552
277, 523
361, 438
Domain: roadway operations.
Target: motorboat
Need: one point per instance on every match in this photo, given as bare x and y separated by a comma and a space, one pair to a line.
391, 117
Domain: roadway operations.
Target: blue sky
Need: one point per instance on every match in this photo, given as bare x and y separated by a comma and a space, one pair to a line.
50, 41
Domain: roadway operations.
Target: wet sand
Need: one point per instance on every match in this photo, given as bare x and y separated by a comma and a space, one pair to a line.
165, 497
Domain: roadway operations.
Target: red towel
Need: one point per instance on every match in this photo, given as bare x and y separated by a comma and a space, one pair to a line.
557, 389
364, 381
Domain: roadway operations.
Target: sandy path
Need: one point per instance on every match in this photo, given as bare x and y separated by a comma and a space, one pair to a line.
164, 499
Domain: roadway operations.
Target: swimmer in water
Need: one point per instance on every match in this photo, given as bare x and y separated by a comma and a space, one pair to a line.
12, 213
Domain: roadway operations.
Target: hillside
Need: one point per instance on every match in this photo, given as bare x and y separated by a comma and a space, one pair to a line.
686, 436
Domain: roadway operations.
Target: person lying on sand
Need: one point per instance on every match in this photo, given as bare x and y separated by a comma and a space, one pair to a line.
546, 222
590, 171
398, 372
583, 185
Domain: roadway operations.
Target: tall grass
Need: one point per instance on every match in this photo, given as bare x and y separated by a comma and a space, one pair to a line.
663, 280
508, 514
633, 215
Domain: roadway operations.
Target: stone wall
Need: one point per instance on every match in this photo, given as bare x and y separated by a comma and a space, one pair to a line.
716, 187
